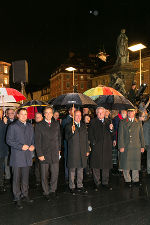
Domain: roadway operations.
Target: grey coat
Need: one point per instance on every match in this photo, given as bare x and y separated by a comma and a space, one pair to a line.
77, 146
18, 135
131, 138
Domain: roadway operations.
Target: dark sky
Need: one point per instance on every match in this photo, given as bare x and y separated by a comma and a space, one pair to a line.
44, 32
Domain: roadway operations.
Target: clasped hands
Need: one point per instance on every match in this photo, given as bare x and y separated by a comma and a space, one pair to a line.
27, 147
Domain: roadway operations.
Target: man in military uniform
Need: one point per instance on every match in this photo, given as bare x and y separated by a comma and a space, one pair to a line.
131, 144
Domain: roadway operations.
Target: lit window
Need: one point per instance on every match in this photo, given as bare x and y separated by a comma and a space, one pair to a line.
5, 80
88, 70
81, 77
68, 85
81, 70
5, 69
81, 85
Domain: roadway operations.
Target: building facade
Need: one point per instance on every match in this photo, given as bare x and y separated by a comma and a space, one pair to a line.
4, 74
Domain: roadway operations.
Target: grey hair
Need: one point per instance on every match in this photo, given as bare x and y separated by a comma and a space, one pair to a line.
100, 108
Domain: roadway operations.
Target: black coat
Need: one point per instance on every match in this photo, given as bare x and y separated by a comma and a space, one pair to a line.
100, 138
77, 146
18, 135
3, 146
48, 141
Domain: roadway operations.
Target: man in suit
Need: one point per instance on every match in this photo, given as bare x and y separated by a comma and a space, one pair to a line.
20, 137
131, 144
66, 121
48, 146
78, 150
100, 136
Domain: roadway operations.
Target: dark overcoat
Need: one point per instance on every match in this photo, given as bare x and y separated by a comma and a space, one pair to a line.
77, 146
100, 138
131, 138
18, 135
48, 141
3, 146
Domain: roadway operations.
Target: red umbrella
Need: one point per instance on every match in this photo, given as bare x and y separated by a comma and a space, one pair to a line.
10, 95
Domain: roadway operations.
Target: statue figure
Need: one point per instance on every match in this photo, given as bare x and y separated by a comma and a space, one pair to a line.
118, 83
122, 49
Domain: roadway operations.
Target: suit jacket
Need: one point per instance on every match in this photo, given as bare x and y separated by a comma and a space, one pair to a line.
3, 145
18, 135
48, 141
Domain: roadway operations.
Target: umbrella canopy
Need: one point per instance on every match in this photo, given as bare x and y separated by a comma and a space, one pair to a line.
51, 100
76, 99
34, 103
113, 102
94, 93
10, 95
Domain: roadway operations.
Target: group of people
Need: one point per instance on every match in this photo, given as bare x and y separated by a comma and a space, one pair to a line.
84, 142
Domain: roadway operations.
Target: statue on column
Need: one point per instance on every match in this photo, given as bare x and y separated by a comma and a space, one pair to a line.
122, 49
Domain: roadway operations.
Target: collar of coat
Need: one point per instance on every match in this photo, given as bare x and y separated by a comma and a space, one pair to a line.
135, 120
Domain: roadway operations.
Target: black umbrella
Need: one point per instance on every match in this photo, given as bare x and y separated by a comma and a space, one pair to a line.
50, 101
113, 102
34, 103
73, 99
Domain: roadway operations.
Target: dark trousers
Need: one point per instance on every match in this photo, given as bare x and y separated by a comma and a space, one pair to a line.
51, 169
65, 160
37, 170
2, 171
98, 179
20, 182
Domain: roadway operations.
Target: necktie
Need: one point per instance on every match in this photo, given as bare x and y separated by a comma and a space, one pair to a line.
49, 124
78, 125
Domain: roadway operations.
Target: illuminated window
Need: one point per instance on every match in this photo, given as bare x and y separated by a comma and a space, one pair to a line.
81, 70
81, 77
5, 69
5, 80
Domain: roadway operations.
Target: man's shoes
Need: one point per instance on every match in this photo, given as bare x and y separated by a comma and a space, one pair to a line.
128, 184
107, 186
2, 189
47, 197
137, 184
73, 191
27, 200
19, 205
97, 188
82, 190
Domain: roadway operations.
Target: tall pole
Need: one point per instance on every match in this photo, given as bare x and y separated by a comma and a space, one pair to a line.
140, 67
73, 92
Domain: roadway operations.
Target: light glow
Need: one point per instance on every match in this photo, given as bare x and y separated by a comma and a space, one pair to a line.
137, 47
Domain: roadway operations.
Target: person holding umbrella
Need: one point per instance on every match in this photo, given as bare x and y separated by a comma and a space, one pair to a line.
100, 136
78, 150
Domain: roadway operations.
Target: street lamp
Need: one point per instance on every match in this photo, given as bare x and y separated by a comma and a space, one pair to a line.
137, 47
71, 69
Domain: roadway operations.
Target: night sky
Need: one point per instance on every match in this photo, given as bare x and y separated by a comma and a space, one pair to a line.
43, 33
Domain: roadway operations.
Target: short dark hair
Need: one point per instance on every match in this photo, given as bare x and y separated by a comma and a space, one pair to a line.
21, 109
48, 107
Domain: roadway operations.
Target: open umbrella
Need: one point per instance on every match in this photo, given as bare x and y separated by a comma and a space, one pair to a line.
94, 93
10, 95
114, 102
70, 99
34, 103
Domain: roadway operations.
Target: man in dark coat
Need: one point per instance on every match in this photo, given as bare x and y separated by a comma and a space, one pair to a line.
78, 150
131, 144
66, 121
48, 146
100, 136
3, 149
20, 137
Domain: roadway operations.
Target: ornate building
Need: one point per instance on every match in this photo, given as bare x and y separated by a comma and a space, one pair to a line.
4, 73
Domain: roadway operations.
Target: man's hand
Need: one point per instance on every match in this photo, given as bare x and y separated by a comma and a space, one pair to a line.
31, 148
5, 120
111, 126
42, 158
114, 143
25, 147
142, 150
121, 149
73, 128
87, 154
